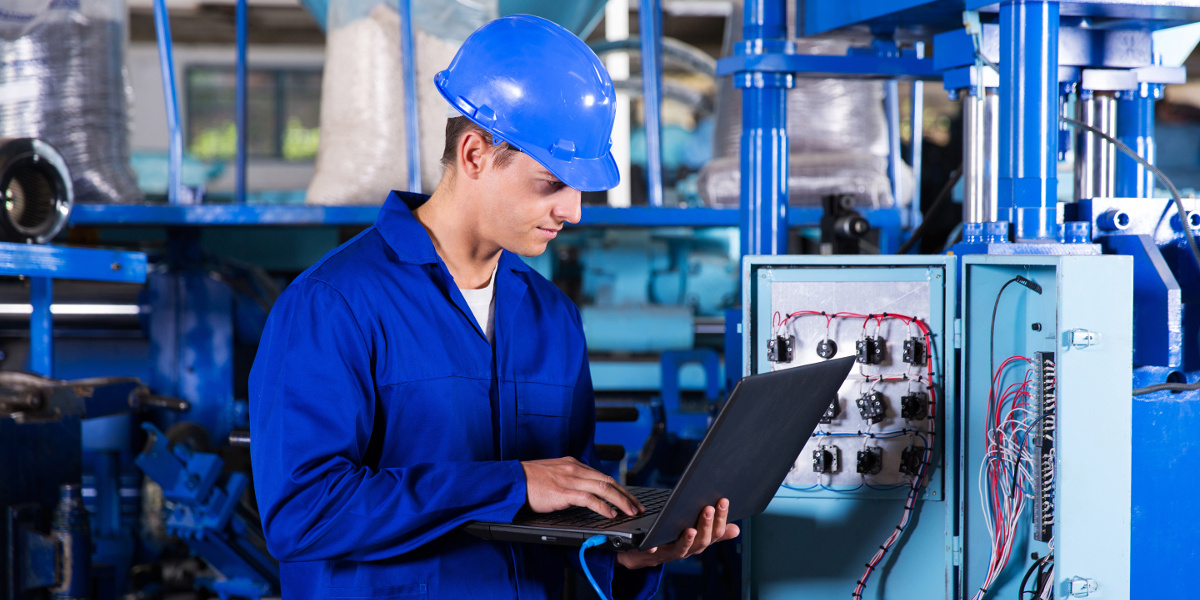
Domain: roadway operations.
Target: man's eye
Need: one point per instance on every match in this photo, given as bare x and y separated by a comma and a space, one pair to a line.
555, 185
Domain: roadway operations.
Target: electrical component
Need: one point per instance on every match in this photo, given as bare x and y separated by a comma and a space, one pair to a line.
1046, 400
827, 459
910, 460
914, 406
826, 348
872, 406
779, 349
869, 351
833, 412
914, 351
870, 460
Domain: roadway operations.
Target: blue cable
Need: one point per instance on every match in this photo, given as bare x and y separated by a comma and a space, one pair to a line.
591, 542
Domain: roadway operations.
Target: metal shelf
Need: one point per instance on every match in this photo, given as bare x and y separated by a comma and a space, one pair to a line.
244, 215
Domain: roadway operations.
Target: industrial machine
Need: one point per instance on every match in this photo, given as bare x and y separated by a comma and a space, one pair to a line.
1020, 421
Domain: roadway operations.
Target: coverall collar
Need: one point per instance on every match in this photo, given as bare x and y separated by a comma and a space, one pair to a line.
408, 238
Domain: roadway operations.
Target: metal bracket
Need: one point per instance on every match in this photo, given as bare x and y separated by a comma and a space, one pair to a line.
1079, 587
1082, 338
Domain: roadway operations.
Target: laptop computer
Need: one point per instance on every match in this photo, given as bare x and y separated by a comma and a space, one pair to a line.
745, 456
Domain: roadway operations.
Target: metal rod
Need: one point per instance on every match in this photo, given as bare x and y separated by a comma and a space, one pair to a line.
166, 67
41, 326
918, 141
764, 144
891, 105
1029, 118
412, 137
981, 116
1135, 127
650, 31
616, 27
241, 101
1095, 170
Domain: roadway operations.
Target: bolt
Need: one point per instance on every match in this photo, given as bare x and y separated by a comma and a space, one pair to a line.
116, 266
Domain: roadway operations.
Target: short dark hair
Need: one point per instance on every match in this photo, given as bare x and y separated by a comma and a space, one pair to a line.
456, 127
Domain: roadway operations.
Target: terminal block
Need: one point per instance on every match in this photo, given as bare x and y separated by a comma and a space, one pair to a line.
832, 412
911, 459
914, 351
872, 406
870, 460
1045, 399
827, 459
779, 348
914, 406
869, 351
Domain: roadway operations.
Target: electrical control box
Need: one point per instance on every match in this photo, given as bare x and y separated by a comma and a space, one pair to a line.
881, 446
1009, 390
1046, 384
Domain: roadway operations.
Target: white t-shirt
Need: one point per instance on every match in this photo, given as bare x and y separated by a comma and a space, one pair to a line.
483, 305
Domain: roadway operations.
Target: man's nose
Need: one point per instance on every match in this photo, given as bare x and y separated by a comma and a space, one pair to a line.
569, 208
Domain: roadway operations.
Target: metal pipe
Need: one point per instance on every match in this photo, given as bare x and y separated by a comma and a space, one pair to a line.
1028, 193
918, 140
764, 144
616, 28
412, 137
242, 34
1135, 127
166, 67
1095, 170
981, 124
650, 32
891, 105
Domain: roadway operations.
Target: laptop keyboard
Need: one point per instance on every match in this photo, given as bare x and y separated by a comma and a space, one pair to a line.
579, 517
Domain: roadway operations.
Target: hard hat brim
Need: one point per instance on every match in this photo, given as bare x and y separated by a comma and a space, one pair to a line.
583, 174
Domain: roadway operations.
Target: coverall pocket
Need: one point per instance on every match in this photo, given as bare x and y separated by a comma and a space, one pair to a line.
414, 591
543, 420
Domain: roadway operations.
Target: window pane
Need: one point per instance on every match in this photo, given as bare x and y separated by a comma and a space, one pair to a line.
302, 109
211, 122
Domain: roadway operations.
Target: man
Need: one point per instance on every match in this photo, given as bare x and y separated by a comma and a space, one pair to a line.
422, 376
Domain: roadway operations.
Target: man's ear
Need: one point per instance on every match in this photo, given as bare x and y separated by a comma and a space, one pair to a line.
472, 154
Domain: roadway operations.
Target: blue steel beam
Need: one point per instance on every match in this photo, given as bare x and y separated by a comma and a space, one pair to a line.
764, 160
57, 262
412, 139
252, 215
1029, 118
819, 66
242, 33
166, 67
41, 327
650, 31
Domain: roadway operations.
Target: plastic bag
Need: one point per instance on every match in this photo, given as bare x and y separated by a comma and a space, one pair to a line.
362, 153
62, 79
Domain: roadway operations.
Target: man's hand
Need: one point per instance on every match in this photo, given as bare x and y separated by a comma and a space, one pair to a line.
710, 529
560, 483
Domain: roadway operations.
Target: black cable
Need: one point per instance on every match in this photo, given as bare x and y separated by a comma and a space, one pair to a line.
992, 340
1183, 221
1174, 387
943, 195
1037, 562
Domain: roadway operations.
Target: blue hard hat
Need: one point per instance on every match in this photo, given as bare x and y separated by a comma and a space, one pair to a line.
533, 84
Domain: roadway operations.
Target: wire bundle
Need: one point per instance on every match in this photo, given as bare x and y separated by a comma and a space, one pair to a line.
1007, 474
917, 482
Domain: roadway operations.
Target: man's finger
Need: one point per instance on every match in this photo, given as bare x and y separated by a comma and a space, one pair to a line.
594, 502
614, 495
704, 531
721, 519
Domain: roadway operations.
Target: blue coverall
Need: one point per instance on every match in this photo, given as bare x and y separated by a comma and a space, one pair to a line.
382, 420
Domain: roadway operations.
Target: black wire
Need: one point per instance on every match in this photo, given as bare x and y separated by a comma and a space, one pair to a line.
1174, 387
1028, 574
943, 195
1187, 230
992, 340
